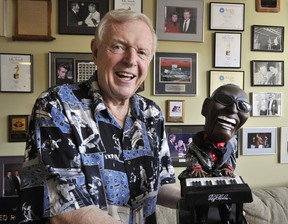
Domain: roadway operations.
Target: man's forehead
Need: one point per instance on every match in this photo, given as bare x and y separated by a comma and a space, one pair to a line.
232, 90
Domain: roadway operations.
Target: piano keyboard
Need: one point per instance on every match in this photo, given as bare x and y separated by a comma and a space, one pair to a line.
213, 181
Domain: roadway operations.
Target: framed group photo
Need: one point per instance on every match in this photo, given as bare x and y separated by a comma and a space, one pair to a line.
227, 16
218, 78
81, 17
16, 73
267, 73
179, 137
70, 67
267, 38
180, 20
175, 73
267, 104
259, 141
227, 50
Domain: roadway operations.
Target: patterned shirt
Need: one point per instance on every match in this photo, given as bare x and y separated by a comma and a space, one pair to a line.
77, 155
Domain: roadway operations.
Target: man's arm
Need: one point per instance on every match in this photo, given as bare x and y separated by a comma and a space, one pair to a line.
88, 215
169, 195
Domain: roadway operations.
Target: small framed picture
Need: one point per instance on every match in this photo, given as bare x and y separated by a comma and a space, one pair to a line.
267, 38
218, 78
175, 110
267, 5
136, 5
17, 128
180, 20
70, 67
227, 50
227, 16
16, 73
266, 104
175, 73
267, 73
179, 137
10, 169
259, 141
284, 145
81, 17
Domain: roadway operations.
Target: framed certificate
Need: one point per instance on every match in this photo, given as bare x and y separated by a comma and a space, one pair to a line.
227, 53
227, 16
136, 5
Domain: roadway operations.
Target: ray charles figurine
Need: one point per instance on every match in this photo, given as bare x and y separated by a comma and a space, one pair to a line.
213, 151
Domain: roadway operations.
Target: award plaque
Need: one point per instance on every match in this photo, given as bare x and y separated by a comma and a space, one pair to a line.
33, 20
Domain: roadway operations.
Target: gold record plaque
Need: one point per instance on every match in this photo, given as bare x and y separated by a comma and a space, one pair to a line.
33, 20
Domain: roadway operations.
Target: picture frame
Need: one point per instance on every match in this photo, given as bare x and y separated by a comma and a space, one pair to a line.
259, 140
175, 73
227, 16
9, 163
283, 158
267, 73
180, 132
175, 110
17, 128
267, 104
16, 73
136, 5
3, 19
218, 78
68, 24
79, 66
227, 50
195, 29
267, 38
267, 5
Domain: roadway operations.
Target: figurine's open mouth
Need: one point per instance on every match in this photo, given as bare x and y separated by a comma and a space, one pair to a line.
226, 122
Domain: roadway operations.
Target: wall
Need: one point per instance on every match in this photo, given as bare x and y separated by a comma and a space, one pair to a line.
258, 171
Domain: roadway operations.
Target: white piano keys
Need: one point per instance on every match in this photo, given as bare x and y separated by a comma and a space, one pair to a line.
213, 181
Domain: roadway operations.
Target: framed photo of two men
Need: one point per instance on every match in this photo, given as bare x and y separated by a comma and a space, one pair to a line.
81, 17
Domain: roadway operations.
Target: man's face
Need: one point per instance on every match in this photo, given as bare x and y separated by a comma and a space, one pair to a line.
186, 15
222, 121
123, 59
91, 9
62, 73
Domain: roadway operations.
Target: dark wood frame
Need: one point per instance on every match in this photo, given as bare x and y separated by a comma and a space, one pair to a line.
261, 8
64, 7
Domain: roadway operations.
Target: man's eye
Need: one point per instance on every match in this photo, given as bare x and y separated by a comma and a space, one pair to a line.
118, 48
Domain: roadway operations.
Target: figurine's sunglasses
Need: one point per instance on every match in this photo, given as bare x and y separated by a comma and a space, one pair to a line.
227, 100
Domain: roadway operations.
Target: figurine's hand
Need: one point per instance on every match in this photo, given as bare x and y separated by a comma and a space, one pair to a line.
227, 172
198, 172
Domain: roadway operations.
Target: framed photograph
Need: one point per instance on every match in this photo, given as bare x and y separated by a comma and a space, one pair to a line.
284, 145
218, 78
3, 22
81, 17
70, 67
175, 110
267, 73
227, 53
17, 128
227, 16
16, 73
267, 38
267, 5
136, 5
175, 73
267, 104
179, 137
10, 169
180, 20
259, 141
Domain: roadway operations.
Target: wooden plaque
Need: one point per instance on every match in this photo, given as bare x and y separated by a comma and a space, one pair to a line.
267, 5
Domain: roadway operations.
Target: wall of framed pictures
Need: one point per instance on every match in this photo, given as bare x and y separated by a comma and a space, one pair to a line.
258, 34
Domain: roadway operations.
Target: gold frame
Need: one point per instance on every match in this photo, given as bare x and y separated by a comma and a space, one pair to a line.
259, 8
175, 110
18, 128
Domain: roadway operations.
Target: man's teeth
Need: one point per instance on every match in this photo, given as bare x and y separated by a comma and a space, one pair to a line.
227, 119
125, 75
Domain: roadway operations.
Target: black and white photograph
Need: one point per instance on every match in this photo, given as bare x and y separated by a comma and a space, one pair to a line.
267, 73
266, 104
267, 38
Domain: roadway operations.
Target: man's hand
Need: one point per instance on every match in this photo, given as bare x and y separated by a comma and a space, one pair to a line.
227, 172
198, 172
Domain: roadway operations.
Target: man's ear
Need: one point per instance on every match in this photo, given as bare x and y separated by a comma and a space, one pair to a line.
94, 49
205, 106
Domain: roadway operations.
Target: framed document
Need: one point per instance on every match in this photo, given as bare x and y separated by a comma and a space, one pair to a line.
136, 5
35, 25
267, 5
175, 110
16, 73
227, 16
227, 53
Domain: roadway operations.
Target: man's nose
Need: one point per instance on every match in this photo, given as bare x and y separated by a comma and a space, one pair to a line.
131, 57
